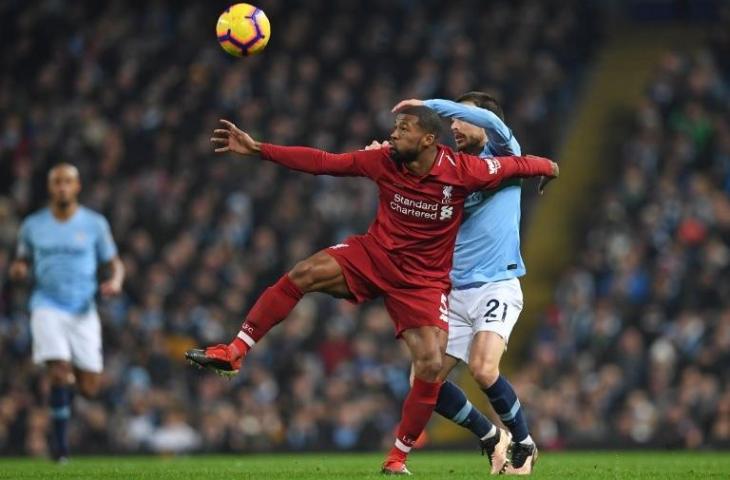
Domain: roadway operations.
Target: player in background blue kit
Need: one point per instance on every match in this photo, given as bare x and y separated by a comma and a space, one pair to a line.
64, 244
486, 298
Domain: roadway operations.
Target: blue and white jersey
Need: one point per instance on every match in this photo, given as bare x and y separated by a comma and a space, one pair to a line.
65, 256
488, 243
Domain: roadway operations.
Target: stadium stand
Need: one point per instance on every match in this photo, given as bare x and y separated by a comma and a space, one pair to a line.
129, 91
634, 350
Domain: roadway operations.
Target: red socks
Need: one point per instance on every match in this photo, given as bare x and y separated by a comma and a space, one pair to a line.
277, 302
417, 409
272, 307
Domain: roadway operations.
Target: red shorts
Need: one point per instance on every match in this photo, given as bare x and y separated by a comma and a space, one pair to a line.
369, 271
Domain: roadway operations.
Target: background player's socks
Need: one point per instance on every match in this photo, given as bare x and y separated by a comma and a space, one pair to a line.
272, 307
453, 404
60, 403
417, 409
504, 400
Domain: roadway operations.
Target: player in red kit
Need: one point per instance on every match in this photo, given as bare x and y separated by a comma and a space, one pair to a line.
404, 257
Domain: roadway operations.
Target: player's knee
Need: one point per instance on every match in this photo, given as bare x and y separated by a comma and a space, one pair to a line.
303, 275
59, 373
428, 367
89, 389
310, 274
484, 373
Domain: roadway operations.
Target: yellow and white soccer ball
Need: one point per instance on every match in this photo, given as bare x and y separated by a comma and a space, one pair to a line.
243, 30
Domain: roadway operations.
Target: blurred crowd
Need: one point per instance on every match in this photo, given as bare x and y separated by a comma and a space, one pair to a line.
636, 349
130, 91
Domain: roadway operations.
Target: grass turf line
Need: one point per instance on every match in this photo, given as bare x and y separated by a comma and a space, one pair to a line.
424, 465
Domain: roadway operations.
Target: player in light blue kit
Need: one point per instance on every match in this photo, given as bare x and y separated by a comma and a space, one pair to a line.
64, 244
486, 298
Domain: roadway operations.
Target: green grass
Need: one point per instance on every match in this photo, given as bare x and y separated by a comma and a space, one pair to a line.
424, 465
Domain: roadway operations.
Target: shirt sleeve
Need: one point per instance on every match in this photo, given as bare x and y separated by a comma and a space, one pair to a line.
106, 249
480, 173
499, 133
24, 250
361, 163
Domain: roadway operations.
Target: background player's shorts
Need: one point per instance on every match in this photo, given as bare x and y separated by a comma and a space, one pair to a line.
493, 307
370, 272
59, 335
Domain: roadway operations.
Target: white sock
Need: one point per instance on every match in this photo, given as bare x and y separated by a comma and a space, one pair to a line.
527, 441
491, 433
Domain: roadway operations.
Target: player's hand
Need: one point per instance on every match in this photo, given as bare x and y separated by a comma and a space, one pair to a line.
412, 102
545, 180
110, 288
233, 139
376, 145
18, 270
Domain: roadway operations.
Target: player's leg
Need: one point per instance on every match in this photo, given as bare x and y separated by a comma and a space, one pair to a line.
51, 348
87, 383
495, 442
427, 346
318, 273
452, 402
453, 405
86, 352
486, 354
500, 304
448, 365
60, 377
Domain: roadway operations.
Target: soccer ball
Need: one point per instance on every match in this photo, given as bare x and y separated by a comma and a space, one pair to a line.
243, 30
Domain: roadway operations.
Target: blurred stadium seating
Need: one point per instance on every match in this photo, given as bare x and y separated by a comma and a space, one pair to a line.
636, 348
129, 92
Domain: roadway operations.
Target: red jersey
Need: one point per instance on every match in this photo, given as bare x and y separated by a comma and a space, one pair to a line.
418, 216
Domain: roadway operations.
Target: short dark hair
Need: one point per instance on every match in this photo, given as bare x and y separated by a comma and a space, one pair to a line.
483, 100
428, 120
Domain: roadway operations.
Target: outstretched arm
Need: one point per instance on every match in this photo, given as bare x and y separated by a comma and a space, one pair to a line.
233, 139
497, 130
304, 159
499, 133
480, 173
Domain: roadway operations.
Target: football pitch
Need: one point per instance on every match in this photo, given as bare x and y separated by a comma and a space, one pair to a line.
425, 465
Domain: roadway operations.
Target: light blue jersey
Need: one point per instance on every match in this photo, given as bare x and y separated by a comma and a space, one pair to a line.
65, 256
488, 243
